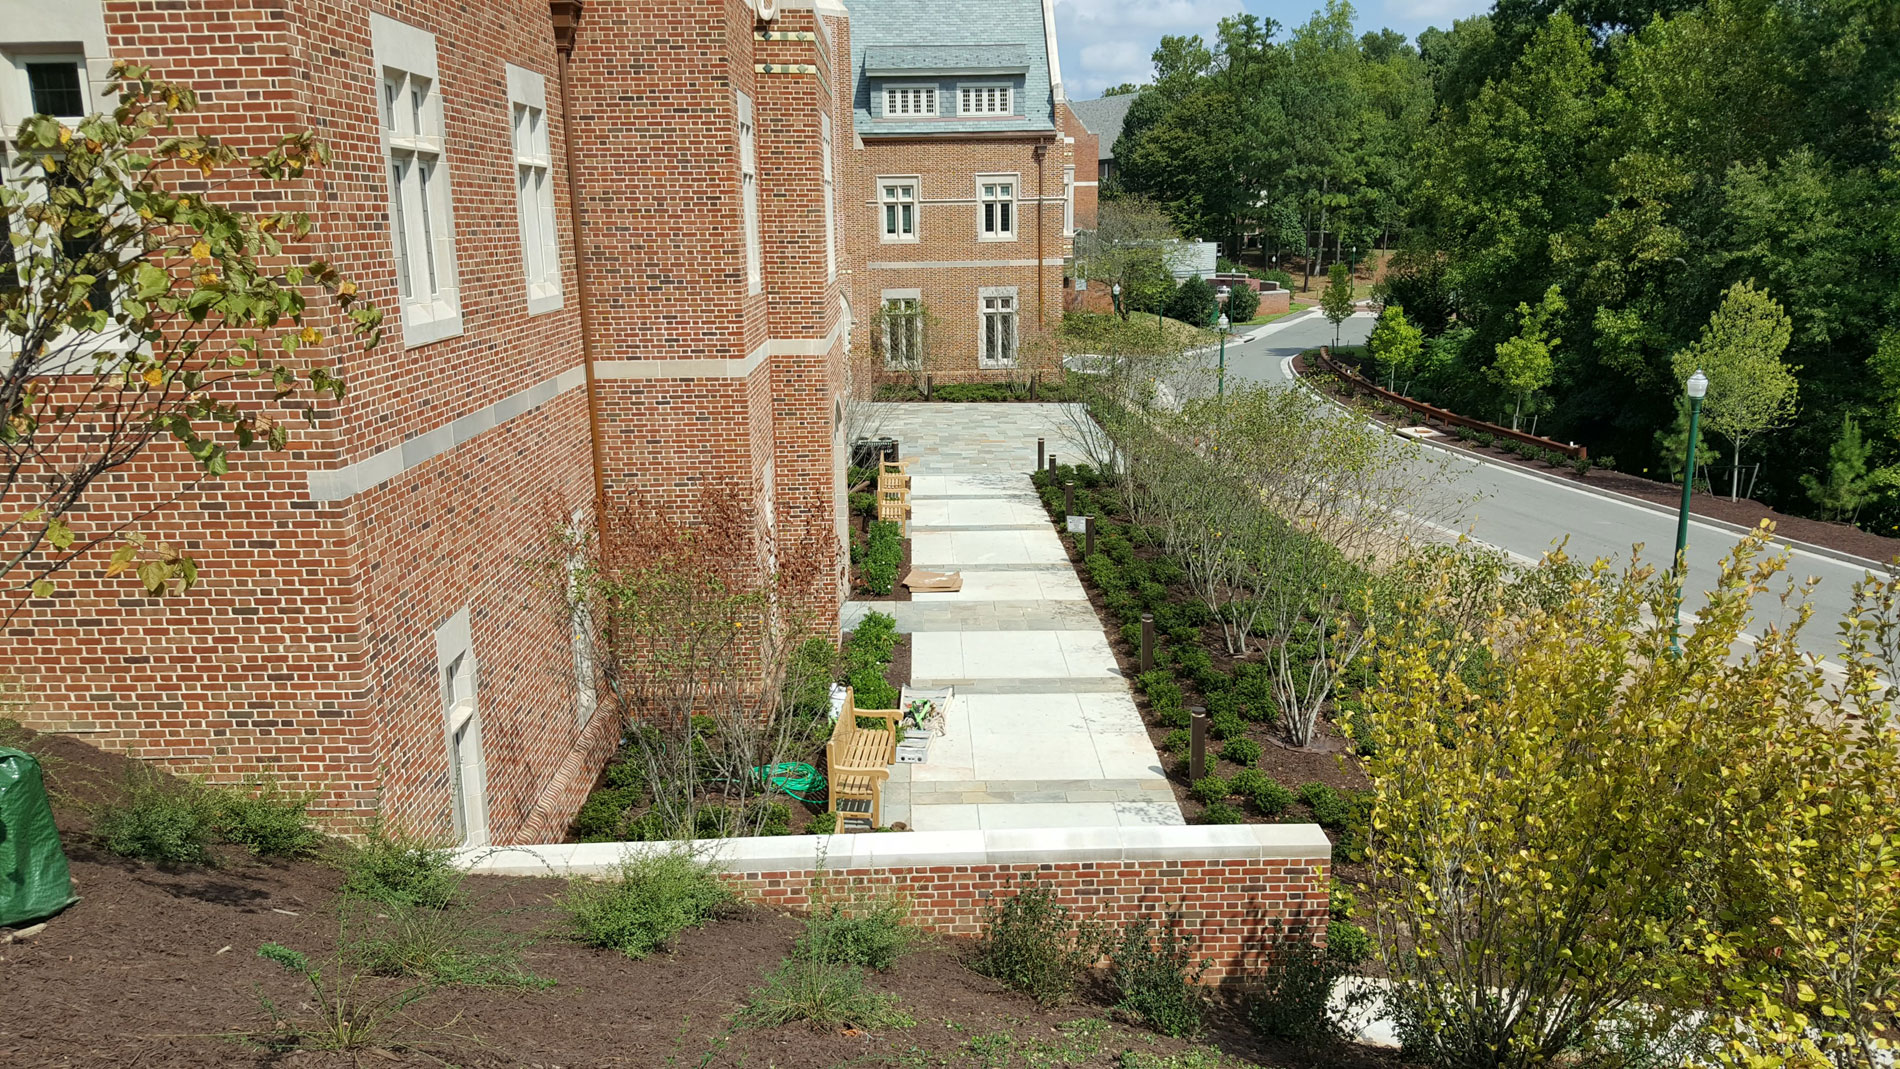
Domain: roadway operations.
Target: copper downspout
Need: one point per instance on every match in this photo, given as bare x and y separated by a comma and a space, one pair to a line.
567, 19
1042, 321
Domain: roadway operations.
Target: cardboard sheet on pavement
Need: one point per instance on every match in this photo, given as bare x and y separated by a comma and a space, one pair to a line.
922, 581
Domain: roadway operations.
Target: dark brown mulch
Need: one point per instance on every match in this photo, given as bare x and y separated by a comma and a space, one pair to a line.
900, 592
898, 674
1841, 537
159, 968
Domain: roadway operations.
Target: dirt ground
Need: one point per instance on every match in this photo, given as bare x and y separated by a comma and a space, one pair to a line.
159, 968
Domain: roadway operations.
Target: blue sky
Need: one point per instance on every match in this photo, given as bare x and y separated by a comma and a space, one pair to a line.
1107, 42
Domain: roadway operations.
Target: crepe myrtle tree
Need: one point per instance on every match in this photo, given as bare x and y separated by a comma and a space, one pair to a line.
139, 306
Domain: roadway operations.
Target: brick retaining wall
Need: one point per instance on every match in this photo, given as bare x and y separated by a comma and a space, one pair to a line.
1234, 884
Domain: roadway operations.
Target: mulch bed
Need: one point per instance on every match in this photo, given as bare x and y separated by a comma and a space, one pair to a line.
1841, 537
159, 968
859, 592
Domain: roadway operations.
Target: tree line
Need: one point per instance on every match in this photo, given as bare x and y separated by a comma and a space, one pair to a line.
1581, 198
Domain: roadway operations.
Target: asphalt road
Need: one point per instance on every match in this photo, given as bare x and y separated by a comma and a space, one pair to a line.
1526, 515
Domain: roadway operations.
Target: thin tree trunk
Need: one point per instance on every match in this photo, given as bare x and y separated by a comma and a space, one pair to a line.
1518, 411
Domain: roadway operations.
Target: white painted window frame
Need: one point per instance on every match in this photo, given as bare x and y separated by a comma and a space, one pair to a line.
749, 191
967, 91
984, 295
534, 188
421, 204
887, 200
457, 679
931, 100
916, 341
1006, 206
830, 189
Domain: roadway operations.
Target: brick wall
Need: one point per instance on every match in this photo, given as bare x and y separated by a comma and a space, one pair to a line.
1236, 886
1085, 149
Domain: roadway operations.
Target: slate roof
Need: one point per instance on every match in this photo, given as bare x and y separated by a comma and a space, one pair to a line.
900, 32
1103, 118
902, 60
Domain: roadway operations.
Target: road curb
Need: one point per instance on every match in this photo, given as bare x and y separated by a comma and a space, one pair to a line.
1840, 556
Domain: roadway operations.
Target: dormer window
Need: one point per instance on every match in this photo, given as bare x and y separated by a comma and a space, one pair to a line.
909, 100
986, 100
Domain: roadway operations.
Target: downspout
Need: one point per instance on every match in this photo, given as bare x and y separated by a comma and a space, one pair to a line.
1042, 321
566, 15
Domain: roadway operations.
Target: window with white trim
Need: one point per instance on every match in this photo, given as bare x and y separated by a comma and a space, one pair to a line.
996, 207
903, 330
986, 100
749, 195
414, 145
898, 197
57, 85
909, 101
830, 192
462, 722
534, 188
997, 341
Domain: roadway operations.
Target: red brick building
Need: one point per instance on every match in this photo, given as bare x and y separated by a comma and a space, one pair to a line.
670, 312
958, 204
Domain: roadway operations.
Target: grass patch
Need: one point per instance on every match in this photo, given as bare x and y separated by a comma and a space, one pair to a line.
442, 946
652, 900
400, 870
171, 822
825, 995
345, 1016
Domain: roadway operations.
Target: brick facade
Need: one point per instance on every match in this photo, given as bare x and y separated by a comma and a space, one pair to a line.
312, 647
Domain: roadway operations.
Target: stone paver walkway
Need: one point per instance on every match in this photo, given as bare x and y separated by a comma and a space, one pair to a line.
1044, 732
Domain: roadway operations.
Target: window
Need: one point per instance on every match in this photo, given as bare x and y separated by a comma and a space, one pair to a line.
998, 337
749, 196
899, 197
56, 85
986, 100
996, 201
1068, 201
468, 774
831, 220
903, 329
421, 230
910, 100
534, 189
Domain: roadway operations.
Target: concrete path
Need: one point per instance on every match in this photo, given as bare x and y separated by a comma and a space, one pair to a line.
1044, 732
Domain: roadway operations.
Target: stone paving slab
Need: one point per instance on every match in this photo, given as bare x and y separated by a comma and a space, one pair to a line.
969, 615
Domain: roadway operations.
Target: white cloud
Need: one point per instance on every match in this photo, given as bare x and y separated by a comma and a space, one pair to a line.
1107, 42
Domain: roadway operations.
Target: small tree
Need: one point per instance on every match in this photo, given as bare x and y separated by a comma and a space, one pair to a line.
1848, 484
1194, 302
1337, 301
1750, 389
1395, 344
139, 307
1243, 301
1523, 361
1673, 444
1135, 245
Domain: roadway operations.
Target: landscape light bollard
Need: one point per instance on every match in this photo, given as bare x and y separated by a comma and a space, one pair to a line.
1088, 536
1068, 497
1052, 465
1039, 454
1697, 387
1147, 642
1197, 744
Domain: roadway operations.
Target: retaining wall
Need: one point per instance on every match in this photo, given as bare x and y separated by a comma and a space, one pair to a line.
1236, 885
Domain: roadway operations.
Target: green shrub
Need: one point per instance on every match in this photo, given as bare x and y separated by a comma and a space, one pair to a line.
825, 995
654, 898
1226, 725
1347, 943
1294, 1001
1193, 302
1330, 809
1222, 813
1246, 781
872, 935
1209, 789
1177, 741
822, 824
1035, 944
883, 556
267, 820
1241, 751
172, 822
1147, 681
1156, 978
1341, 902
863, 503
606, 816
871, 690
400, 870
808, 679
1271, 798
1242, 302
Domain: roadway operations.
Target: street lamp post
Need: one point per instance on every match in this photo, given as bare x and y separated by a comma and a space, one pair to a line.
1697, 388
1115, 293
1223, 323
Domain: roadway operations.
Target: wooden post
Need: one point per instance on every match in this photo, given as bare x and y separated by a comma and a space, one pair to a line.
1088, 536
1147, 641
1197, 744
1039, 455
1068, 497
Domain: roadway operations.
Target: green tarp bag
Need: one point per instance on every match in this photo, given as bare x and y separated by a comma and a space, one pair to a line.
34, 882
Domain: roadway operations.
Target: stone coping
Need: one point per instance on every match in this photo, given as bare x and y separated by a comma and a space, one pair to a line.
925, 849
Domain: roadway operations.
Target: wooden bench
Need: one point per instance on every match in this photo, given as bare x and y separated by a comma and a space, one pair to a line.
857, 762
